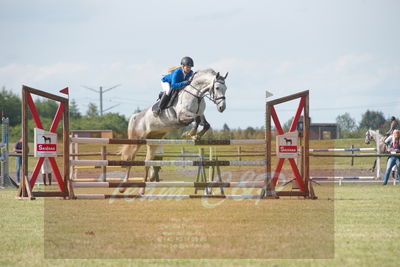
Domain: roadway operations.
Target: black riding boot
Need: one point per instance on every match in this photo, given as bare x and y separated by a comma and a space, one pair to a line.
162, 104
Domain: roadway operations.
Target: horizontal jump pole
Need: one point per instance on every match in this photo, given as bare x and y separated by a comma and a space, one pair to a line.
106, 196
94, 167
343, 178
367, 155
109, 179
354, 182
342, 149
169, 184
167, 163
177, 155
81, 140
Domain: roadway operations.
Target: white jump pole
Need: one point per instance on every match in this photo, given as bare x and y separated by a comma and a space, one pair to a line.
378, 159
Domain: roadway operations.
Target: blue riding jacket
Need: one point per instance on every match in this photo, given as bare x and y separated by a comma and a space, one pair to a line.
177, 78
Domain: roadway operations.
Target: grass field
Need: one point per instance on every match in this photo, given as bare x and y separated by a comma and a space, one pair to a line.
347, 226
364, 230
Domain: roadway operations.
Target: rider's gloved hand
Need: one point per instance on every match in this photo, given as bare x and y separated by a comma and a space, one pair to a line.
189, 80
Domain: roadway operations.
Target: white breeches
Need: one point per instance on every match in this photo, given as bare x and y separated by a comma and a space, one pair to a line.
166, 87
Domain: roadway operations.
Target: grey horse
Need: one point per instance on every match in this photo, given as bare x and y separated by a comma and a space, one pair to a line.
187, 107
371, 135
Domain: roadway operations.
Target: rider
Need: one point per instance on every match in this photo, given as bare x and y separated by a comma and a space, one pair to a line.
178, 77
393, 126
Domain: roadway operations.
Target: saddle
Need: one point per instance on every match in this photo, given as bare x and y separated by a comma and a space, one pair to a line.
170, 102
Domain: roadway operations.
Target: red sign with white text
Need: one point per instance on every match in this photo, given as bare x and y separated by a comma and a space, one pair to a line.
287, 149
46, 147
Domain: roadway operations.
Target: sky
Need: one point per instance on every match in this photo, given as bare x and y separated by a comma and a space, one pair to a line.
346, 52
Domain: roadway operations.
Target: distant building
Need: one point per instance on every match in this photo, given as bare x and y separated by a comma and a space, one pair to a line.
320, 131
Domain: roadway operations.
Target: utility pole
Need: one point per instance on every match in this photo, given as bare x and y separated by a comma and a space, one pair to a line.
101, 92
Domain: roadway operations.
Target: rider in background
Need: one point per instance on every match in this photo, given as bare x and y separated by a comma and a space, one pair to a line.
393, 126
393, 146
178, 77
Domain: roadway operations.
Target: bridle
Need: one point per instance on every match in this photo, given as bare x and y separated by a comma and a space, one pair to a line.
369, 137
211, 93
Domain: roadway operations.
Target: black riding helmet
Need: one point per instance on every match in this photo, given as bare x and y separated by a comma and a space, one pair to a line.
187, 61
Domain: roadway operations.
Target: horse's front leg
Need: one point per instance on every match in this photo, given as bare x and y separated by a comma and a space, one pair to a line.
206, 127
130, 157
193, 131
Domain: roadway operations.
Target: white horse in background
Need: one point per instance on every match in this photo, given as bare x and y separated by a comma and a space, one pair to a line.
371, 135
186, 108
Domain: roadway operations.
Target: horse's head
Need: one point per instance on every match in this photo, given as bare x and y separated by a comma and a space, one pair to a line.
368, 137
217, 92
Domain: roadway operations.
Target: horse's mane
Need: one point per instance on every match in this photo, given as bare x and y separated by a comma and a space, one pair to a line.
206, 72
202, 76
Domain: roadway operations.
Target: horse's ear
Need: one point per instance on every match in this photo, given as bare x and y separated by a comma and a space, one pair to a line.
217, 76
226, 75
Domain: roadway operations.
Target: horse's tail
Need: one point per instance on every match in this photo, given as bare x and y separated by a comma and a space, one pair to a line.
128, 152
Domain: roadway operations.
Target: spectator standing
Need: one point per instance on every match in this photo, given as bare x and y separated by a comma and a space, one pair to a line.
18, 158
46, 171
393, 146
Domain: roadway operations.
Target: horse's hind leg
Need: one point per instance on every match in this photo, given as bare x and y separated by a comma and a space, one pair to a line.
373, 166
146, 175
125, 179
128, 169
150, 171
153, 171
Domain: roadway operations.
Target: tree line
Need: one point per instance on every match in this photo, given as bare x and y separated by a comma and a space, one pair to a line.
349, 128
10, 106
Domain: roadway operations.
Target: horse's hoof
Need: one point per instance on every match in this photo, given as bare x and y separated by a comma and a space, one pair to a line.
195, 137
185, 135
122, 190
